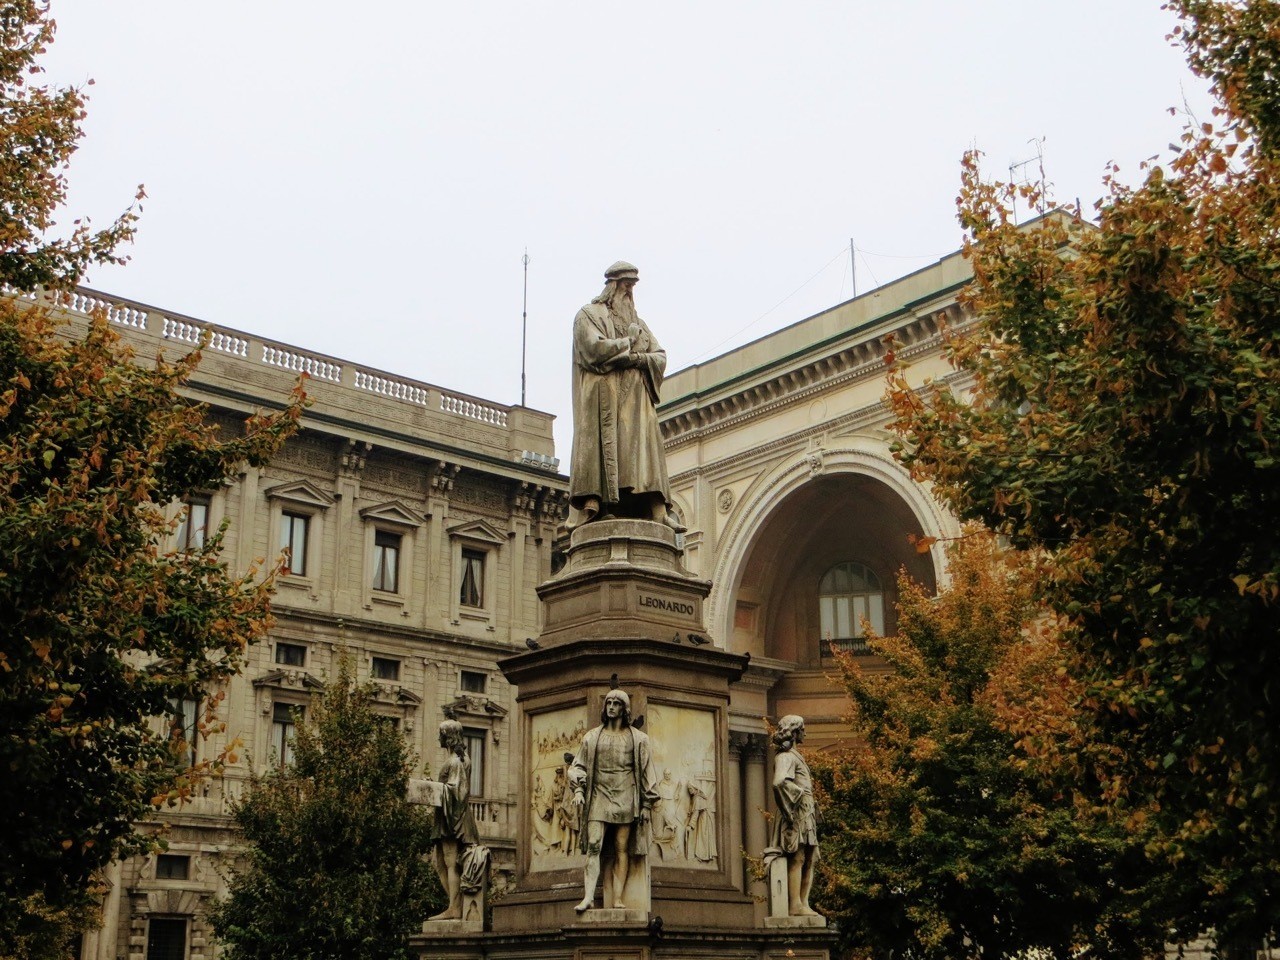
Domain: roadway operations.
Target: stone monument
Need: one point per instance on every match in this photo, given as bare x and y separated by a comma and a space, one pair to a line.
615, 789
622, 685
793, 855
461, 860
618, 467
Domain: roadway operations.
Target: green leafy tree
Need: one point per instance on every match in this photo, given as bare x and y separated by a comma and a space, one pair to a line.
945, 835
336, 861
100, 629
1124, 420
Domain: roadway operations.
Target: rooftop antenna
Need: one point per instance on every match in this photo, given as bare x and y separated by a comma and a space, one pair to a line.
1018, 169
524, 324
853, 267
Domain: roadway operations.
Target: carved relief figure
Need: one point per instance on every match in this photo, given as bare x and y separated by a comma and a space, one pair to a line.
615, 788
795, 829
567, 813
668, 825
554, 820
454, 828
702, 820
617, 467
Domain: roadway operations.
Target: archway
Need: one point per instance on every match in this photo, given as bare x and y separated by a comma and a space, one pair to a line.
859, 511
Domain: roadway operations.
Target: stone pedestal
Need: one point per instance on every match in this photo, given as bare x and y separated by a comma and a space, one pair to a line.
624, 612
777, 873
451, 928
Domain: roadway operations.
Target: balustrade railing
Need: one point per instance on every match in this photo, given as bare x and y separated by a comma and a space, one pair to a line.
463, 407
147, 320
389, 387
193, 333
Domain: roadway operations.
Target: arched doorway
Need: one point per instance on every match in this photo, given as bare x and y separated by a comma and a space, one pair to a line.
825, 555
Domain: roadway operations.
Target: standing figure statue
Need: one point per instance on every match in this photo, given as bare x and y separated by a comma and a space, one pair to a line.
617, 468
454, 828
615, 787
795, 829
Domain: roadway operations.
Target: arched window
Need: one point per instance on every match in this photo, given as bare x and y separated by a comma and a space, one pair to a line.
849, 593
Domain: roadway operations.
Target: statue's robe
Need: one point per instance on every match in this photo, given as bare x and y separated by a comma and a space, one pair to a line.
616, 443
644, 796
796, 823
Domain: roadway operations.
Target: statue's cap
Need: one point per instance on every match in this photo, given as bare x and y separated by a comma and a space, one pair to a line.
621, 695
622, 271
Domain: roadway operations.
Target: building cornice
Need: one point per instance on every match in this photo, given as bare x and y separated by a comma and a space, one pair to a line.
692, 419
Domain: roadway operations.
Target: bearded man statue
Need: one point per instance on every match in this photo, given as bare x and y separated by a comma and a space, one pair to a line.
617, 469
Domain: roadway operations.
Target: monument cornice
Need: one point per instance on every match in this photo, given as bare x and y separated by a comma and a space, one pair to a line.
628, 650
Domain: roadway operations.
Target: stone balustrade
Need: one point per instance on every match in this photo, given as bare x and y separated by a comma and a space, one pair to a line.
148, 323
490, 816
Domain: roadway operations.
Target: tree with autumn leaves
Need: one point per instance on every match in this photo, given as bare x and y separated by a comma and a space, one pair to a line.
102, 627
963, 821
1123, 421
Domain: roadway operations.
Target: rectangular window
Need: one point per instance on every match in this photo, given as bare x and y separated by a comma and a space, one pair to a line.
473, 682
284, 717
172, 866
384, 668
194, 525
293, 540
291, 654
392, 722
184, 726
475, 750
167, 938
386, 561
472, 592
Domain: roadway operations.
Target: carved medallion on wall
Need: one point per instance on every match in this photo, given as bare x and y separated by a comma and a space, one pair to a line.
725, 500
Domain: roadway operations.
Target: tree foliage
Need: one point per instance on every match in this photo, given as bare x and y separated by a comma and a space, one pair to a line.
100, 628
336, 858
945, 834
1123, 419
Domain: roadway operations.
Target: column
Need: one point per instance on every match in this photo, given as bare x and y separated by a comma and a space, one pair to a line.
734, 797
756, 802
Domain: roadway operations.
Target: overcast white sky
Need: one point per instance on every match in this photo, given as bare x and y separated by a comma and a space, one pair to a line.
363, 181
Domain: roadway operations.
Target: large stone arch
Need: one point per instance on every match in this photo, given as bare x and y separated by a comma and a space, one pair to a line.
817, 508
857, 457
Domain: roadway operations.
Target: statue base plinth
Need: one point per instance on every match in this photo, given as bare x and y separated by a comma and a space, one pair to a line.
621, 614
623, 578
451, 928
616, 916
794, 923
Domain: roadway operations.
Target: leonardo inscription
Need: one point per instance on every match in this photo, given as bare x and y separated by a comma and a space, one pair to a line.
670, 606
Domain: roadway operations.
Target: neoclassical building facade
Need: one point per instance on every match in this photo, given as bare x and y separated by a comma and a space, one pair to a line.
796, 510
418, 522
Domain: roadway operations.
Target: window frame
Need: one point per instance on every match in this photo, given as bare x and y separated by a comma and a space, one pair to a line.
283, 732
173, 859
184, 724
172, 923
479, 736
474, 564
378, 581
870, 602
481, 675
289, 645
396, 662
285, 540
183, 535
